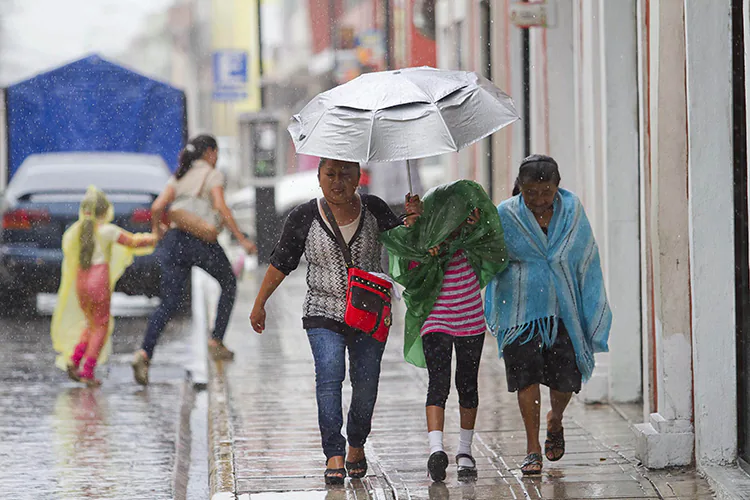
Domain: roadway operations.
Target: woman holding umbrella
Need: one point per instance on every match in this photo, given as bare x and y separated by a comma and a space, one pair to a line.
308, 231
549, 310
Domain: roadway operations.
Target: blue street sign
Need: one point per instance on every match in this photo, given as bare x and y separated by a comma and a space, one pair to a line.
230, 70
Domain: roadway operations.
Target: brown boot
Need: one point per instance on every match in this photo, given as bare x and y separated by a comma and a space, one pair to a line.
86, 374
140, 367
72, 371
219, 351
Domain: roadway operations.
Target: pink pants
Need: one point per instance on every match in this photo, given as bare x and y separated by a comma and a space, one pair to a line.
92, 287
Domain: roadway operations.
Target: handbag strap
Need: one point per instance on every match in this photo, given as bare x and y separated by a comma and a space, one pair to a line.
343, 245
200, 188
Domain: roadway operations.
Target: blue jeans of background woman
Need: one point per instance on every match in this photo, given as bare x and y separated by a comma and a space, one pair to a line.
329, 351
178, 252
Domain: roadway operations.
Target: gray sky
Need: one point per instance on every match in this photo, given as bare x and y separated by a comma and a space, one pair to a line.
42, 34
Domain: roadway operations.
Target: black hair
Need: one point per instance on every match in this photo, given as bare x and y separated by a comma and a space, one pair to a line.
194, 150
324, 160
537, 168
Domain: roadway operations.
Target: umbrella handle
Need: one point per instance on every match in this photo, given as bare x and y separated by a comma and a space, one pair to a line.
408, 173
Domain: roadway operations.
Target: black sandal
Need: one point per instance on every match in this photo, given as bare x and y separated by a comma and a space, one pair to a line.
360, 468
532, 460
332, 476
555, 442
436, 466
466, 472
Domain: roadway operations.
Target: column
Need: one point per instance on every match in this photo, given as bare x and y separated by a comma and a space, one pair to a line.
666, 438
507, 74
708, 41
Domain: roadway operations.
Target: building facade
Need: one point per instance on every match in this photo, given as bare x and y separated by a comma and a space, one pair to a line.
642, 102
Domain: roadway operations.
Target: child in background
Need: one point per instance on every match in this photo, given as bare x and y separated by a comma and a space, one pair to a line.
452, 247
95, 254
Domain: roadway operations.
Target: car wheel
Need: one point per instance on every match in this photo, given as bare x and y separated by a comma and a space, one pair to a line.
17, 303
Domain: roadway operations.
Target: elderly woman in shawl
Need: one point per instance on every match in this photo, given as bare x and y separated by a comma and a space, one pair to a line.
549, 310
443, 260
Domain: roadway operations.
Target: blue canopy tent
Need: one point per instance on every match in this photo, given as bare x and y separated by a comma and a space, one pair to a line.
94, 105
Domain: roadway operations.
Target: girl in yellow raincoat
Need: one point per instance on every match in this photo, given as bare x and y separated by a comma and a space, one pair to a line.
95, 254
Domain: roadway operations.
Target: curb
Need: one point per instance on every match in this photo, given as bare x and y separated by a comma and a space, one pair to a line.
221, 478
729, 482
220, 436
183, 441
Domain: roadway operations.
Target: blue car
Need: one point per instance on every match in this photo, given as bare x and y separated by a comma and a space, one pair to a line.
42, 201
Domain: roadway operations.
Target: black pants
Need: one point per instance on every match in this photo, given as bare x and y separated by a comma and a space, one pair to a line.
438, 352
178, 252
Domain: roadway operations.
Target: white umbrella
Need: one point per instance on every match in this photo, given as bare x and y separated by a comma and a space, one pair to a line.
401, 115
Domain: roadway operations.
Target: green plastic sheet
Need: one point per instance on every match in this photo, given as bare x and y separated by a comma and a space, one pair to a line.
446, 209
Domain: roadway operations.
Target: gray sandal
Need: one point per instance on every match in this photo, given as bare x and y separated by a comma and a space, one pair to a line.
466, 472
530, 464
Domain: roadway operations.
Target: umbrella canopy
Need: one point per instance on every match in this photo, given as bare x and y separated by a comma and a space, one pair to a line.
401, 115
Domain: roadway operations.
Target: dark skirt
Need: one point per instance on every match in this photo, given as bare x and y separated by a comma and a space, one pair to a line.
529, 363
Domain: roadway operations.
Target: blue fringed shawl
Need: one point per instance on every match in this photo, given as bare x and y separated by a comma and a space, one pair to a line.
550, 277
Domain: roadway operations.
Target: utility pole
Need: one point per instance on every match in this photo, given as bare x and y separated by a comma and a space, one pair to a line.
334, 34
387, 35
261, 89
526, 62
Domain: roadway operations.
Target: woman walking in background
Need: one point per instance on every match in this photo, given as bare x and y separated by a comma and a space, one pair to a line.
549, 310
191, 241
95, 254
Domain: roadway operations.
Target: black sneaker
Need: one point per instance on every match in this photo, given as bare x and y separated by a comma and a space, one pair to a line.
436, 466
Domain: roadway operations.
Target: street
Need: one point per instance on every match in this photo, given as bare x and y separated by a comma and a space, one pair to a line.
61, 440
610, 138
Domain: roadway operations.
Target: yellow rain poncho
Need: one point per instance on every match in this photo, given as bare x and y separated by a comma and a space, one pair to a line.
68, 320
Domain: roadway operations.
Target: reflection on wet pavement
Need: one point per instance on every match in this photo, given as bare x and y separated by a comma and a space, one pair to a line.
61, 440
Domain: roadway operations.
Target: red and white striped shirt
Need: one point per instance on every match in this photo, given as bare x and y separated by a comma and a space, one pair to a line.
458, 309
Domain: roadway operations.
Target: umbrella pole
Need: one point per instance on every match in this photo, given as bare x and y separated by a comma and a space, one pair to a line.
408, 173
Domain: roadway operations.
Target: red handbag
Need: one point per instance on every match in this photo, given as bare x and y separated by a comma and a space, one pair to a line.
368, 297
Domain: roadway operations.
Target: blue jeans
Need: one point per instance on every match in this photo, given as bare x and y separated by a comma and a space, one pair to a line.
178, 252
365, 353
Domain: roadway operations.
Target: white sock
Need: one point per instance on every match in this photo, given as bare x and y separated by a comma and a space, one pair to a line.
436, 441
465, 438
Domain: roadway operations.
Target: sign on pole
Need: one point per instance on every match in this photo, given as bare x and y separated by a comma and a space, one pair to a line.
230, 70
539, 14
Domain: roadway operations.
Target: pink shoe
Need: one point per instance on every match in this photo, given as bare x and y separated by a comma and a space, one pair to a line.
87, 373
75, 360
78, 353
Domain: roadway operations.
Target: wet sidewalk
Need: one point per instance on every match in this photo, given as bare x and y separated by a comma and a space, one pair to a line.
266, 445
62, 440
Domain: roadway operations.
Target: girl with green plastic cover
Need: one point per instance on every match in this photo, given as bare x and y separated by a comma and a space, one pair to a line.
443, 258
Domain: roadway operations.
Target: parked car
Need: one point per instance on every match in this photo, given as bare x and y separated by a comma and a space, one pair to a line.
42, 201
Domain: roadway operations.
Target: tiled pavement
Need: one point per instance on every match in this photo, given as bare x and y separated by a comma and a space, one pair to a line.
273, 446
